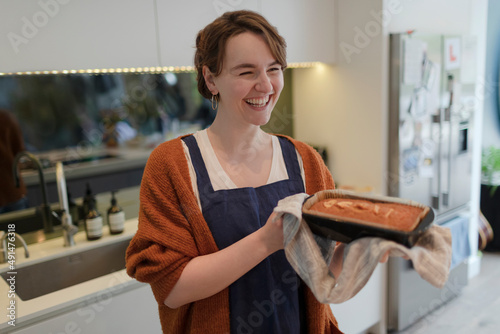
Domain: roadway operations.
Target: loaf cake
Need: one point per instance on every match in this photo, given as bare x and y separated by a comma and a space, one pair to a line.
390, 215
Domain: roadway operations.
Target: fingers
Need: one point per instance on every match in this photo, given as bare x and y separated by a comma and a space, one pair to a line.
276, 218
384, 258
337, 261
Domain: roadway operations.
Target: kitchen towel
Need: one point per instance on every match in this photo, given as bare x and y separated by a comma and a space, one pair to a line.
310, 255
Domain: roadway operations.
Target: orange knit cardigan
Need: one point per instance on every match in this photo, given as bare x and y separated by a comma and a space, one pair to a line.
172, 231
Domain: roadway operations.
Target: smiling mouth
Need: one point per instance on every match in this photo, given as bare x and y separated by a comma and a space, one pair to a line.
260, 102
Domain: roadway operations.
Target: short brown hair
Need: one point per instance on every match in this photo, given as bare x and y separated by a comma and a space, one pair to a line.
211, 42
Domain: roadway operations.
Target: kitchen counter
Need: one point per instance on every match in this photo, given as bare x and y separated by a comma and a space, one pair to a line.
50, 305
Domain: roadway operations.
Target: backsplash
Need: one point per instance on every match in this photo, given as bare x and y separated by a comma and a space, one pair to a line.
59, 111
91, 110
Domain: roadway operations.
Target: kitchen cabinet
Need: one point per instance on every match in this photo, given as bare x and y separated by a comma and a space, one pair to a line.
133, 311
47, 35
180, 21
110, 302
364, 311
66, 35
307, 26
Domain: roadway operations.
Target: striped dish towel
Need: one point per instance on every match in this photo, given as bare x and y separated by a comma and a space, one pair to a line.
336, 272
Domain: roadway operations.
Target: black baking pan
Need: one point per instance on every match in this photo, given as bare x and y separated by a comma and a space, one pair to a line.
339, 229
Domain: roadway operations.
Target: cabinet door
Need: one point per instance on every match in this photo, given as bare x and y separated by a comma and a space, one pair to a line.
134, 311
180, 21
307, 26
64, 35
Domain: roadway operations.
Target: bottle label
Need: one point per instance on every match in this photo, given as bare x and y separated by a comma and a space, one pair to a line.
116, 221
94, 227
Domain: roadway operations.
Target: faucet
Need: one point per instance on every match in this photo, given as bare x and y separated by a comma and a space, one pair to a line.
45, 208
3, 242
69, 230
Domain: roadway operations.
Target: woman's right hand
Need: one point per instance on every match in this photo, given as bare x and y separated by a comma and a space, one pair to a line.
272, 232
206, 275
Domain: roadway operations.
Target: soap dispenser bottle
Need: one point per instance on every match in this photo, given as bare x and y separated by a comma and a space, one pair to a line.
93, 222
89, 197
116, 216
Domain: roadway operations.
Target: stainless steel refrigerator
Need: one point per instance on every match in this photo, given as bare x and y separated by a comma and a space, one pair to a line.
431, 107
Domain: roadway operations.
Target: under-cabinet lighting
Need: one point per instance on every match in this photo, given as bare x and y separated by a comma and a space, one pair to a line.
152, 69
303, 64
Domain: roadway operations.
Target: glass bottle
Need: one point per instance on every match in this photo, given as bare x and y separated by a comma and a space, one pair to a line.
93, 222
116, 216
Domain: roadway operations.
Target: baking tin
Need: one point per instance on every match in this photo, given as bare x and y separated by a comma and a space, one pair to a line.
346, 230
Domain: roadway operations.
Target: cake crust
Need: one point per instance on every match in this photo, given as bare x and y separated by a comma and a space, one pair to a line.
387, 215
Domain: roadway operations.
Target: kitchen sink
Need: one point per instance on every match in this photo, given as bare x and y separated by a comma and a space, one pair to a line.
39, 279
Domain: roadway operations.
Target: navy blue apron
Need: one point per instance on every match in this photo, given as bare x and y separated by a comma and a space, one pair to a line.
267, 298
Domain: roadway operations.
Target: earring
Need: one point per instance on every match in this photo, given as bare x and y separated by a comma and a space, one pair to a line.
215, 100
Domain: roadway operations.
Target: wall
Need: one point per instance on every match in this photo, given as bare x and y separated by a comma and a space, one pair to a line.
491, 119
342, 107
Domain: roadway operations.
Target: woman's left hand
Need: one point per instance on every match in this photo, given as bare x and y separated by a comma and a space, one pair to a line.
385, 258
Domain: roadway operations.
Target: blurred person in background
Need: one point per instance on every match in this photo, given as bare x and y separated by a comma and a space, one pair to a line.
12, 198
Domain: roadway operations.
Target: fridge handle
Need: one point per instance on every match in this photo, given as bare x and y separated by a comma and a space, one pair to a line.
447, 118
436, 136
446, 192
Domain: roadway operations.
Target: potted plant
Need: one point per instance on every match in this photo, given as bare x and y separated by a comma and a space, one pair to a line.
490, 193
490, 167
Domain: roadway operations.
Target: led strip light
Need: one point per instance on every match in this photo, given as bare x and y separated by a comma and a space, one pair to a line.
175, 69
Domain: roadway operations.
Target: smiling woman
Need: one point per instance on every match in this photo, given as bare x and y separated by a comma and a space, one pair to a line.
208, 241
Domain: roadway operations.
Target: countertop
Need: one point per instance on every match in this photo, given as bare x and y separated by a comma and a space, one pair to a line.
115, 159
52, 304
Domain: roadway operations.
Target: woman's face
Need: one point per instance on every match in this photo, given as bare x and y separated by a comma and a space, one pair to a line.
250, 82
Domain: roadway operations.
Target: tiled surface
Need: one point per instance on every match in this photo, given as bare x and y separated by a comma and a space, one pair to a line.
476, 310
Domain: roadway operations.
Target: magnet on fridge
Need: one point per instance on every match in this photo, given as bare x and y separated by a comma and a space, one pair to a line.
452, 53
426, 169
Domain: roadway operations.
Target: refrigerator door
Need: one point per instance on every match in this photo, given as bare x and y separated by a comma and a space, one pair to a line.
429, 130
415, 100
429, 159
455, 118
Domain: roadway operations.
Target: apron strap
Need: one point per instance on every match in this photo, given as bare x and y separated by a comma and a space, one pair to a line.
202, 178
290, 158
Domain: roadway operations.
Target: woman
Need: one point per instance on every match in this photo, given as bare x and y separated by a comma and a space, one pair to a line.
208, 242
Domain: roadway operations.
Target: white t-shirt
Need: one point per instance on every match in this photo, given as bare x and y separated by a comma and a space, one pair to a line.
218, 177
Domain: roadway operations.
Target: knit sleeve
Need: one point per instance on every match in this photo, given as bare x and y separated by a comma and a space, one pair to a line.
165, 240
